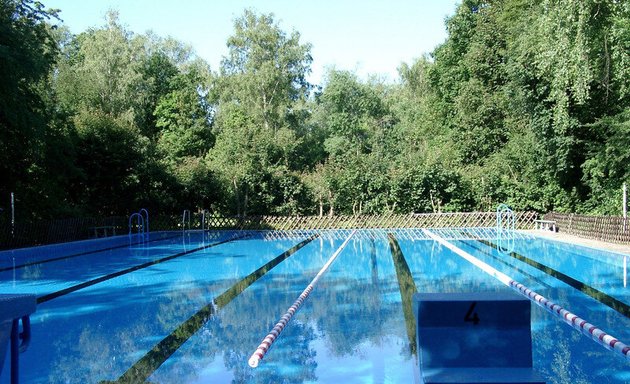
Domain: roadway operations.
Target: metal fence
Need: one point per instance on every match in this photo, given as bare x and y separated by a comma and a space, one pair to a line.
613, 229
57, 231
63, 230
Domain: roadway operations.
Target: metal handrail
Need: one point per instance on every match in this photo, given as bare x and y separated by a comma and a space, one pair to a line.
185, 215
203, 219
140, 222
505, 213
145, 216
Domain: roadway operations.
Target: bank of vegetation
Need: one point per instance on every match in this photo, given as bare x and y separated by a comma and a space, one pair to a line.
525, 103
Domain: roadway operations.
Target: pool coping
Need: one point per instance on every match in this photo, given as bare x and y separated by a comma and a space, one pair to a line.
623, 249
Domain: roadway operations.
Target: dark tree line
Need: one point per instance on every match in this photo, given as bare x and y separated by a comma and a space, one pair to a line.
526, 102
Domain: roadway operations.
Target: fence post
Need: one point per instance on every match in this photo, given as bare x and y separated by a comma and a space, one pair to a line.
625, 206
12, 215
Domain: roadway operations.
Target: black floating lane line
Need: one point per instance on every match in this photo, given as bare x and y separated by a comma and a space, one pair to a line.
89, 283
149, 363
596, 294
407, 289
487, 252
82, 254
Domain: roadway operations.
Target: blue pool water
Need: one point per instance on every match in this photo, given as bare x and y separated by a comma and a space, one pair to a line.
192, 308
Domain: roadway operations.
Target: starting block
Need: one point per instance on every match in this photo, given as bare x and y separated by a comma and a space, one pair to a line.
480, 337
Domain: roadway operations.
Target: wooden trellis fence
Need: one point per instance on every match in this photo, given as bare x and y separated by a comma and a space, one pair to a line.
614, 229
47, 232
524, 220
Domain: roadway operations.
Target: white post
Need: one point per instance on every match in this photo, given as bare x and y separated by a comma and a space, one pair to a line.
625, 201
12, 214
625, 206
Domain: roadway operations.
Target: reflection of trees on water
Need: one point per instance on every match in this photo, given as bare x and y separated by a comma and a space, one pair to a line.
561, 353
234, 332
407, 290
357, 307
101, 347
565, 356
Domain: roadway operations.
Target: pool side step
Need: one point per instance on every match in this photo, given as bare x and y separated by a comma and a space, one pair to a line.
474, 337
13, 309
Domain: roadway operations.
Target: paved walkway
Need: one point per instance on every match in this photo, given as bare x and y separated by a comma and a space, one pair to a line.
621, 248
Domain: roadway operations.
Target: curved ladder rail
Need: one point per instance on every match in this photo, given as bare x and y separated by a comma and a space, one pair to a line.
185, 219
505, 228
140, 223
505, 218
145, 216
203, 219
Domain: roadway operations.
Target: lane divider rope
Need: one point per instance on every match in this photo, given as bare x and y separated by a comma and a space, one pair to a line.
598, 335
264, 346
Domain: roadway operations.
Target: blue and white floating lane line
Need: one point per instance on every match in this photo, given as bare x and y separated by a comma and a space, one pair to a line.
275, 331
601, 337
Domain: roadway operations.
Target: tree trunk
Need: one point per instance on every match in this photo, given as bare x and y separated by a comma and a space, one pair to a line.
245, 202
331, 211
321, 207
238, 198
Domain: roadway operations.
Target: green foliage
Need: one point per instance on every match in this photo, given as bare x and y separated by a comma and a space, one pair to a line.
526, 102
108, 151
27, 55
607, 167
265, 69
183, 118
430, 187
104, 72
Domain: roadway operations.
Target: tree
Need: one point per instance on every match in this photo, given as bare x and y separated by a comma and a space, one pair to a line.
108, 151
265, 69
27, 54
261, 81
183, 118
104, 72
241, 159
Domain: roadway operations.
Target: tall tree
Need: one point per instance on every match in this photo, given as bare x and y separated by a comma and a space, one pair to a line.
27, 55
265, 68
261, 79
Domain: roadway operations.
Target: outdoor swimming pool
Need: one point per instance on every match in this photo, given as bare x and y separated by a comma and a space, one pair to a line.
191, 308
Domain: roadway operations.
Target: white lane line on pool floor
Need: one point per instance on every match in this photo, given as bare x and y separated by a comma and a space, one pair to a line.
598, 335
277, 329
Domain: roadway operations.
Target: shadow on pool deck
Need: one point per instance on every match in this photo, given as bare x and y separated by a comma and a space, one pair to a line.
559, 236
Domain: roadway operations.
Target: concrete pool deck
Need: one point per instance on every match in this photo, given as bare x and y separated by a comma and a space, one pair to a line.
621, 248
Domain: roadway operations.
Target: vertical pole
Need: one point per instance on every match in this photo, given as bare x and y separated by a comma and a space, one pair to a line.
15, 351
12, 214
625, 201
625, 206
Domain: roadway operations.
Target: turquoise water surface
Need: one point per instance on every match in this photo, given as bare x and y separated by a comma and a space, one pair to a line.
193, 307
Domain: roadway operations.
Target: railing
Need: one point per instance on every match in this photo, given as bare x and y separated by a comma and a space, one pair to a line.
43, 232
606, 228
58, 231
145, 215
203, 219
185, 220
505, 218
139, 223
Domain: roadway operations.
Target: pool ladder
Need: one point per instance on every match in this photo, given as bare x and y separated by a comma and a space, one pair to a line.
185, 220
505, 218
505, 228
142, 222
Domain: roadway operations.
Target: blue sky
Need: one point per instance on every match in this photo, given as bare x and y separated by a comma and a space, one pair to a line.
369, 37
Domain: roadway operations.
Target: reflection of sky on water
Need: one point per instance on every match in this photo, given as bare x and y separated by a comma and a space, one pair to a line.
351, 329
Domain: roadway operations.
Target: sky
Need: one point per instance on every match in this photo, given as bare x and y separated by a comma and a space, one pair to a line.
368, 37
